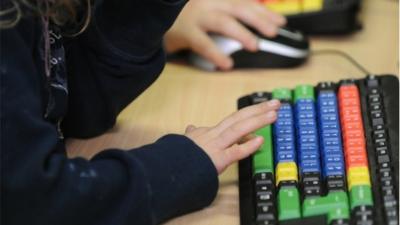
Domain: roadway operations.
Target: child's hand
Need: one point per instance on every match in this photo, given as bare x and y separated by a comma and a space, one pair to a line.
220, 16
221, 141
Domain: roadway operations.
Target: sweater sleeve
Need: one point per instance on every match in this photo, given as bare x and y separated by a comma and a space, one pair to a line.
40, 185
114, 61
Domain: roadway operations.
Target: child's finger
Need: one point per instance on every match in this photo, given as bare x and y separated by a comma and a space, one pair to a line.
246, 138
230, 27
247, 112
205, 47
233, 133
255, 19
277, 18
241, 151
274, 17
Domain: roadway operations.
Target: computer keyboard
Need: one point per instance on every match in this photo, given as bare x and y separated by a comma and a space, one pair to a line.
330, 158
318, 16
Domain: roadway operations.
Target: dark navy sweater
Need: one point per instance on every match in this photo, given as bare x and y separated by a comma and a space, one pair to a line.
108, 66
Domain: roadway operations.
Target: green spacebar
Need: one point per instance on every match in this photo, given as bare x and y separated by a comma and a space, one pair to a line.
263, 158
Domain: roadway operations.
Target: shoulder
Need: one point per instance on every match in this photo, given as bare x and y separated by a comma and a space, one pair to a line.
17, 45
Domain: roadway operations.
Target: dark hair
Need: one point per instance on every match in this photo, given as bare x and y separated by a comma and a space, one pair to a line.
60, 12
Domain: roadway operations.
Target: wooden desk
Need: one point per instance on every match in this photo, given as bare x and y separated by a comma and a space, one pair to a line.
183, 95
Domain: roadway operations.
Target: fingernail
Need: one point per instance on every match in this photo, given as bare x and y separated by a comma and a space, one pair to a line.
274, 102
271, 114
259, 139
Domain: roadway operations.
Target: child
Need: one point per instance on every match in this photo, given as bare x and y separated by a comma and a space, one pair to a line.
68, 68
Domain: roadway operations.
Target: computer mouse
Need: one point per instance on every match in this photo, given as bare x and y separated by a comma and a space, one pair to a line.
288, 49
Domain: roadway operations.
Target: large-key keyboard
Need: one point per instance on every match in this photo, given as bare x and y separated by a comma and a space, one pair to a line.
330, 158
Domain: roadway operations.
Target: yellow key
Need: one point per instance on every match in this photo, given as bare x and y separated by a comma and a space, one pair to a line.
285, 7
286, 171
312, 5
358, 176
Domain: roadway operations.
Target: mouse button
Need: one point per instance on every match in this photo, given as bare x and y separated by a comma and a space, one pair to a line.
281, 49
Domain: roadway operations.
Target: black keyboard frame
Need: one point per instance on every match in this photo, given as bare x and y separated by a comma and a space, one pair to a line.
389, 89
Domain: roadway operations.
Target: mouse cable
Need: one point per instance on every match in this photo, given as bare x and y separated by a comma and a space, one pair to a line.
342, 54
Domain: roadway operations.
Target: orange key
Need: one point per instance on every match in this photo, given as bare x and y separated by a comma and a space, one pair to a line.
356, 161
352, 126
355, 142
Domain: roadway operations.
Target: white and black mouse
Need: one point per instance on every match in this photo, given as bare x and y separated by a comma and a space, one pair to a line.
288, 49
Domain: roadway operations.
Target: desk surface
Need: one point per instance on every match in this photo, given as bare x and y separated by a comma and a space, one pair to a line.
183, 95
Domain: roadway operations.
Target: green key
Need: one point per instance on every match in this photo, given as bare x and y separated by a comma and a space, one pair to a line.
360, 195
282, 94
263, 158
335, 205
288, 203
304, 92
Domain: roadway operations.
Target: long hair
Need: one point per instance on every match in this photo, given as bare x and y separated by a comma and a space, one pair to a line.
60, 12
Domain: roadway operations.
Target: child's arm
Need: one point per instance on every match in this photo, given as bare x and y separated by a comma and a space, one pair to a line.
114, 61
40, 185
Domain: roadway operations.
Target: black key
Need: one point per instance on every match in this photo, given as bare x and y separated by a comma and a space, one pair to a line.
376, 114
265, 207
380, 142
387, 190
384, 165
311, 191
392, 216
311, 184
376, 106
383, 159
264, 178
266, 212
383, 173
340, 222
378, 121
386, 181
381, 149
374, 98
265, 187
372, 81
378, 127
373, 91
362, 215
379, 134
336, 183
389, 201
264, 197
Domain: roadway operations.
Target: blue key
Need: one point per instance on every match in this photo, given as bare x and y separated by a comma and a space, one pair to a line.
307, 139
330, 138
284, 136
310, 166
